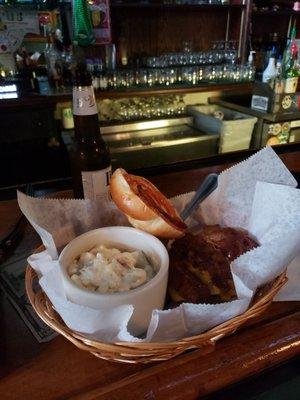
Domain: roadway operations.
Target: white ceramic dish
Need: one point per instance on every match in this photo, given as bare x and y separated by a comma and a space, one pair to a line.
145, 298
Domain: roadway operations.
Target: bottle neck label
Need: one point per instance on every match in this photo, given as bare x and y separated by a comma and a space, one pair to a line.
84, 102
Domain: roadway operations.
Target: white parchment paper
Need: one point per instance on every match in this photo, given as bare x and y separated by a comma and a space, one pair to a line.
258, 194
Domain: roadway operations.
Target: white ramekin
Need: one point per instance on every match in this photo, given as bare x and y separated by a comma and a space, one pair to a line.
145, 298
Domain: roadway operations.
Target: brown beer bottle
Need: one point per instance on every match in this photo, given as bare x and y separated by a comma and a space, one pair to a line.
90, 158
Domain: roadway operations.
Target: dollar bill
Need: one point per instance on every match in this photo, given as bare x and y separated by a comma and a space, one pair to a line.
12, 283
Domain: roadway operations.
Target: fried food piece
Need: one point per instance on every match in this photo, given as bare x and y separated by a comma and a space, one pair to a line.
200, 264
231, 241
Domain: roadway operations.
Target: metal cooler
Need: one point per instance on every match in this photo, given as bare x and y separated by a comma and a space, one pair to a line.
159, 142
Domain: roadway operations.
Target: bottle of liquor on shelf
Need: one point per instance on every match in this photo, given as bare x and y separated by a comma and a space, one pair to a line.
272, 48
25, 59
251, 63
122, 52
269, 73
47, 48
68, 64
257, 44
90, 158
287, 54
279, 81
101, 73
110, 57
54, 63
97, 71
292, 74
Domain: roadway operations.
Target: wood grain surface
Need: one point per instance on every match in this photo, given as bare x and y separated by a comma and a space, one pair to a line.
164, 29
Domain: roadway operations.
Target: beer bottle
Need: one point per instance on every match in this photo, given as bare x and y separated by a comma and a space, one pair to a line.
90, 158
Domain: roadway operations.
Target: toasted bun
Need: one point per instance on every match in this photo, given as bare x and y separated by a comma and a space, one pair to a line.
126, 200
157, 227
145, 206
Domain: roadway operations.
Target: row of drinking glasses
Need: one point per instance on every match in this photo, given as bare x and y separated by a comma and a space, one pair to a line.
192, 58
152, 108
184, 75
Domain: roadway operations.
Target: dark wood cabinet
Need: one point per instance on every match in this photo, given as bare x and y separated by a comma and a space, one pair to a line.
153, 28
31, 148
156, 28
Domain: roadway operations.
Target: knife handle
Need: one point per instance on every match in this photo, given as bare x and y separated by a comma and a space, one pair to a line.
205, 189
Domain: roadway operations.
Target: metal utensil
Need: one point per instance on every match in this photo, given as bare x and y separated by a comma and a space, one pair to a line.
206, 188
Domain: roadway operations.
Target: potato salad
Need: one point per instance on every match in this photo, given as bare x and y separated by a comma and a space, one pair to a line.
110, 270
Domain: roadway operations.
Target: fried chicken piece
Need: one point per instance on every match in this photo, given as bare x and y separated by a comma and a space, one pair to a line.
231, 241
200, 264
182, 281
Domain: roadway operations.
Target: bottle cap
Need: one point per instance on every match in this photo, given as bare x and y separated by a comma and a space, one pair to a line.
273, 52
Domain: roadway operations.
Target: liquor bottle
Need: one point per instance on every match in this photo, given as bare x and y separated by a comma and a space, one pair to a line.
292, 75
110, 57
90, 158
25, 59
122, 52
25, 72
257, 44
47, 48
68, 64
269, 73
272, 48
53, 63
287, 54
251, 64
279, 81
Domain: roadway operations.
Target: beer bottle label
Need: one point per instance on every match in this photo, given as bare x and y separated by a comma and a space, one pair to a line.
96, 183
84, 102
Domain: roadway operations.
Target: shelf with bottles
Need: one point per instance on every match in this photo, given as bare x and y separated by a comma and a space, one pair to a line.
282, 73
273, 35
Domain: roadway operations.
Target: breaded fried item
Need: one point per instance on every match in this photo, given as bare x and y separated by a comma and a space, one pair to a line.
182, 281
200, 264
231, 241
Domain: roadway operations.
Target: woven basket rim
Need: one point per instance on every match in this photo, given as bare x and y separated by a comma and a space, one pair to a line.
206, 338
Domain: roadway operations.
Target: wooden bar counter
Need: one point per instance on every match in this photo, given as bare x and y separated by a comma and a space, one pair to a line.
58, 370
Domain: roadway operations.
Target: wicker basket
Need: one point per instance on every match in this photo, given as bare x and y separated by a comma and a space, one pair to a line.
129, 352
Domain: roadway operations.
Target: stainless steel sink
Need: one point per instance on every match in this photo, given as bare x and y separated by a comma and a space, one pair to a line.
151, 143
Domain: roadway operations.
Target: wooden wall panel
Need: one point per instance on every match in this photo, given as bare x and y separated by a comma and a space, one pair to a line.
263, 25
153, 31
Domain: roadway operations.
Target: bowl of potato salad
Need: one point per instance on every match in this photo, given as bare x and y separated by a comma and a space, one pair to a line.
113, 266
